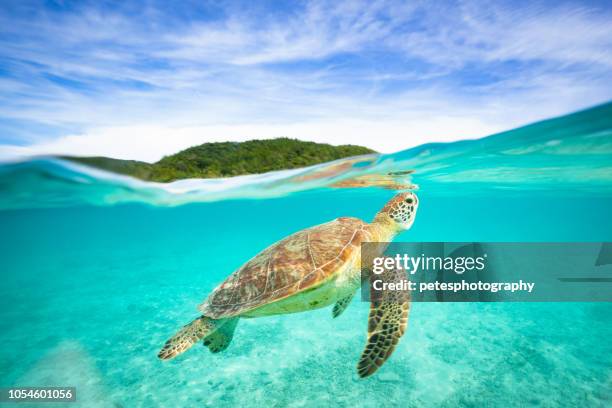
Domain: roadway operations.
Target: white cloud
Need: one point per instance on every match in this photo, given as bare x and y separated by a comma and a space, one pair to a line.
544, 33
150, 143
319, 30
146, 85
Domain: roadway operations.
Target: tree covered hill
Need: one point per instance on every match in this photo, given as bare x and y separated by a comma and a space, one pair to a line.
226, 159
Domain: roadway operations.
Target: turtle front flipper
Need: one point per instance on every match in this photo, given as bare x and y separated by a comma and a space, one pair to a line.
341, 305
387, 322
189, 335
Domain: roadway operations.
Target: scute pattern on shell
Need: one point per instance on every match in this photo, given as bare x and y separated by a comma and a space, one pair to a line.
294, 264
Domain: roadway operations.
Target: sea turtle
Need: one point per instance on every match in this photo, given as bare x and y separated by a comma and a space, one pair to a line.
311, 269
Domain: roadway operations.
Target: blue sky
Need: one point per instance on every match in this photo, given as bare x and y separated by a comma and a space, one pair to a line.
144, 79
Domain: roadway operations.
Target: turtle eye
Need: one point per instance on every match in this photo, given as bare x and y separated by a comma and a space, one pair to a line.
409, 200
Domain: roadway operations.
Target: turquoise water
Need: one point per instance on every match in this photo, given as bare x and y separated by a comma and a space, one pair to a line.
98, 271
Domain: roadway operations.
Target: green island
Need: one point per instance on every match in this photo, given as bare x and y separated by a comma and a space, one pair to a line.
227, 159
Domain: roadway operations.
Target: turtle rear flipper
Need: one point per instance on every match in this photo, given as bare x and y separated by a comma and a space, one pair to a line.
220, 339
341, 305
189, 335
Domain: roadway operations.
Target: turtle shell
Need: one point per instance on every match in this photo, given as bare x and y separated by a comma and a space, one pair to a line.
299, 262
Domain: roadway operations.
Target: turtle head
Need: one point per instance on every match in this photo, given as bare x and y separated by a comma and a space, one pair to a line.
399, 212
